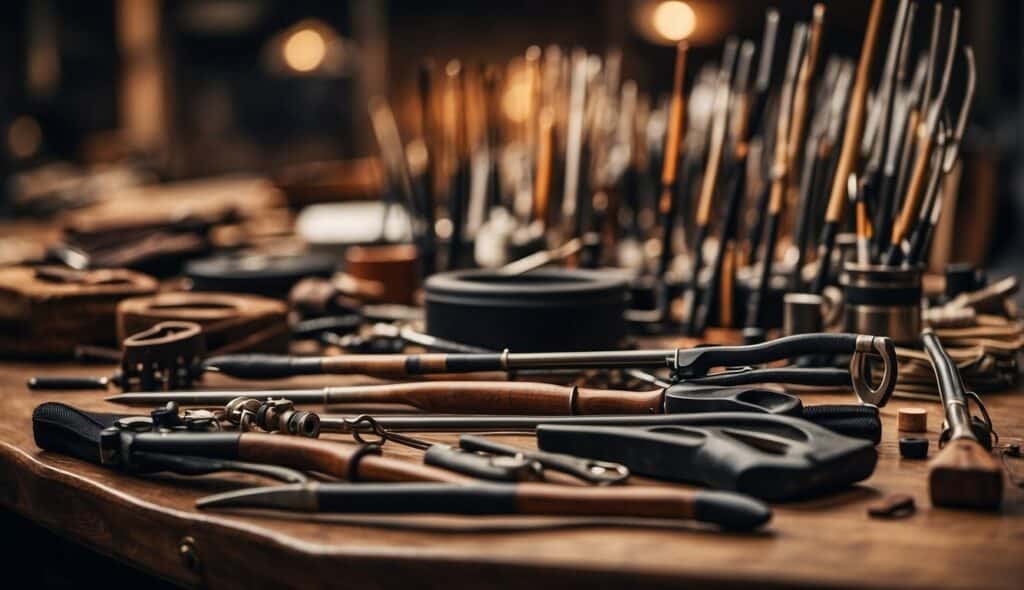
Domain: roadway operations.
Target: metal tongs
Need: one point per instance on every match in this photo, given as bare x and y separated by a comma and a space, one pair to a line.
694, 364
485, 458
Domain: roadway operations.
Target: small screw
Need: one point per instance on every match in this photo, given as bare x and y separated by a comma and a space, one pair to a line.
189, 554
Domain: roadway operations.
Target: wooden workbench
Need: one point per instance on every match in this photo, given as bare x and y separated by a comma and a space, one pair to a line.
827, 542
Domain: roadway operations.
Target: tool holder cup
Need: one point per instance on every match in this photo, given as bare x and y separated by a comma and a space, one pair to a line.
882, 301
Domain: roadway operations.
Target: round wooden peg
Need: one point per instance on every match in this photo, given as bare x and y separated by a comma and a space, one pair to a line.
913, 420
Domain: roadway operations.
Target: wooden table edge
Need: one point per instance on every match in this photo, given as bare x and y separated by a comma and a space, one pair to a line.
154, 534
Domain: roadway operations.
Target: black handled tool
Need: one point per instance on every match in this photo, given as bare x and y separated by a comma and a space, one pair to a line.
95, 437
774, 458
132, 444
725, 509
87, 436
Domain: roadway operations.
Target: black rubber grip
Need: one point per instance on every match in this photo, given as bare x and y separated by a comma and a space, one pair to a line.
63, 429
418, 498
471, 464
265, 366
858, 421
58, 383
696, 362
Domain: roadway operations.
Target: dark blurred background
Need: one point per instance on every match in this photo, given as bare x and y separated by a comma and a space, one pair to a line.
205, 87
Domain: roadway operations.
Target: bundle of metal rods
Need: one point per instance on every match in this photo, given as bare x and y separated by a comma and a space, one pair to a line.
742, 165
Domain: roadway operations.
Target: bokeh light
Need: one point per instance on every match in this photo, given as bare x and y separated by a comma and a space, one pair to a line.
305, 50
674, 20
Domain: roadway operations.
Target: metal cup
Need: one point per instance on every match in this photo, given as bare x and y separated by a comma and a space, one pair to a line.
802, 313
882, 301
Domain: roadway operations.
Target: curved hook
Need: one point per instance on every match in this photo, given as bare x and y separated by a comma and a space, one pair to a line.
866, 347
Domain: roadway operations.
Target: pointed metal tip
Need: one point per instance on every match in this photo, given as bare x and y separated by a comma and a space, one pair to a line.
286, 497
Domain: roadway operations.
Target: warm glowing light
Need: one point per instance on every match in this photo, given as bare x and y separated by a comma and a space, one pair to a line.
24, 137
674, 20
305, 50
516, 100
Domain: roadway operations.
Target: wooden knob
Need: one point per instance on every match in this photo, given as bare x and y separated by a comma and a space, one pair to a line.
912, 420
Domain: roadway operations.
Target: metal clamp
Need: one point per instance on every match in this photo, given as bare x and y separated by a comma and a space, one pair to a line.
272, 415
860, 369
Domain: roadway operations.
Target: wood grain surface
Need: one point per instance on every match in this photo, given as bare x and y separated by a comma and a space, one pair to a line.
827, 542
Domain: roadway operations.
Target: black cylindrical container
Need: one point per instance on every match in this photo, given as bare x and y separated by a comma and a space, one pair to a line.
257, 274
541, 311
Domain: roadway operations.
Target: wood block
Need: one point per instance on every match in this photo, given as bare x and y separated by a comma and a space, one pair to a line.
47, 311
231, 322
965, 475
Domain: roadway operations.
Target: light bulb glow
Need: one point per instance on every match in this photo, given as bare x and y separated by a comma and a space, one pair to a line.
305, 50
674, 20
